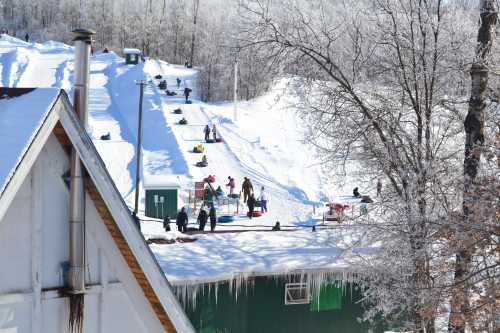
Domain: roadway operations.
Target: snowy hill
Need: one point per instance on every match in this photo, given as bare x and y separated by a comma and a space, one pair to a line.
265, 143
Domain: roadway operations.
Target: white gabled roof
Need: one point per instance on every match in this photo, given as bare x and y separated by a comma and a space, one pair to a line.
161, 182
20, 119
26, 124
131, 51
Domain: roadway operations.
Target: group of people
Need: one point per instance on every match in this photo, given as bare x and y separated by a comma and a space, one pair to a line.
203, 217
207, 133
249, 197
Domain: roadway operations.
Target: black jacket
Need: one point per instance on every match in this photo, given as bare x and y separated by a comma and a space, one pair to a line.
182, 218
202, 217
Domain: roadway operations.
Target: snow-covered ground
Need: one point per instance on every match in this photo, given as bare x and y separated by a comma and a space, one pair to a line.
264, 144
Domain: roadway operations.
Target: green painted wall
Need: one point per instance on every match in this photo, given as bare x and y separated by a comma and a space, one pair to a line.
169, 205
261, 309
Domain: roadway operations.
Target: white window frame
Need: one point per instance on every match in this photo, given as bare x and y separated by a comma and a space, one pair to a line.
296, 286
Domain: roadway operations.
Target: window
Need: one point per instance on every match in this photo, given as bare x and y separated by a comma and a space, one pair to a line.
296, 293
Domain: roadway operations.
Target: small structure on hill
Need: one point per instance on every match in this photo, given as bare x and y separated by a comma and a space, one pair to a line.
162, 194
132, 56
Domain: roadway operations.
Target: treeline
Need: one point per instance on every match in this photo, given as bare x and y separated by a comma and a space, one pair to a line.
200, 32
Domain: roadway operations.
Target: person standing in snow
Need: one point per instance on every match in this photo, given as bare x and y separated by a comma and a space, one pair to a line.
187, 91
178, 83
247, 189
202, 218
379, 187
207, 133
251, 205
27, 38
182, 220
356, 193
214, 133
231, 185
213, 218
263, 200
277, 227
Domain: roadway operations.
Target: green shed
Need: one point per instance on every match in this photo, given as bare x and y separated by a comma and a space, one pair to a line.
161, 197
132, 56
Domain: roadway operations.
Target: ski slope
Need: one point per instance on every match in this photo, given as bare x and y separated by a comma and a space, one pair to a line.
265, 144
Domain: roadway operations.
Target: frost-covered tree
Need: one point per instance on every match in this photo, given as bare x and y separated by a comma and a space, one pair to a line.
385, 82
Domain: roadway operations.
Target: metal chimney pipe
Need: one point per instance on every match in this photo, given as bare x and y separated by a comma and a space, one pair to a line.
83, 39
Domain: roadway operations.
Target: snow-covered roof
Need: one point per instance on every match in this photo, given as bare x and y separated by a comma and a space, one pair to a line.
159, 182
225, 256
20, 120
131, 51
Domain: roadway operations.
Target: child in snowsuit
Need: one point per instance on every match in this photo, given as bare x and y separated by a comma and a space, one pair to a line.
231, 185
187, 91
251, 205
166, 223
202, 219
263, 200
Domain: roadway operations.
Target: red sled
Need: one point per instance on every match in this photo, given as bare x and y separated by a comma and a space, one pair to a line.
256, 213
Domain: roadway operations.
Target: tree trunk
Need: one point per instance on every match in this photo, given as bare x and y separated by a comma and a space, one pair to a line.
474, 141
196, 4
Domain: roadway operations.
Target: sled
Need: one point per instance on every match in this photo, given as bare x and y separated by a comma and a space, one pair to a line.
178, 111
225, 219
256, 213
158, 77
201, 164
106, 137
189, 102
183, 121
198, 149
171, 93
162, 85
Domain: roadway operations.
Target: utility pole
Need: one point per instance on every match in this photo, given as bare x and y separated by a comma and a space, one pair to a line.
138, 149
235, 116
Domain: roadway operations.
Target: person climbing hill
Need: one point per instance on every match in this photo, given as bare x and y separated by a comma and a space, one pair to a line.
214, 133
207, 132
187, 91
178, 83
247, 188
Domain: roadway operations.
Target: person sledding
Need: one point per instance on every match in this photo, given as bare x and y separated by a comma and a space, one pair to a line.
231, 184
207, 133
247, 188
182, 220
277, 227
202, 218
187, 91
251, 205
203, 163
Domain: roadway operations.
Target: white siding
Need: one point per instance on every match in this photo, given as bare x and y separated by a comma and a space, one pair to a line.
114, 303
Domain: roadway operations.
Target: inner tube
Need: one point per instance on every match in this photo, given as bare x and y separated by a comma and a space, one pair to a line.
183, 121
178, 111
225, 219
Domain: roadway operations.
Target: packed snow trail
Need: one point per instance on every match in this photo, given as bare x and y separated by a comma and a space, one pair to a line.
264, 145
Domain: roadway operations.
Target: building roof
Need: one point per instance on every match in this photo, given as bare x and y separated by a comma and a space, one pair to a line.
159, 182
22, 112
131, 51
38, 113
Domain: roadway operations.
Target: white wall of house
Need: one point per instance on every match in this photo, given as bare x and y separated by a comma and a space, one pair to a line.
33, 247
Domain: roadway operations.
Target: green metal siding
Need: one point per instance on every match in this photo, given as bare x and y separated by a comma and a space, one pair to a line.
261, 309
169, 205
